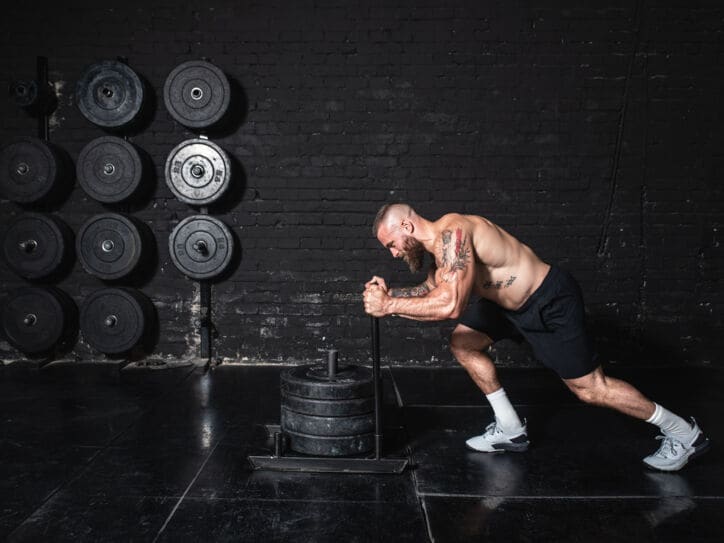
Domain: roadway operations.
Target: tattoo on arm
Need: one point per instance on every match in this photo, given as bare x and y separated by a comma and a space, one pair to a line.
455, 252
410, 292
500, 284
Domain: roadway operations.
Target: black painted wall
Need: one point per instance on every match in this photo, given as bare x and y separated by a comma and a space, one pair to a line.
593, 133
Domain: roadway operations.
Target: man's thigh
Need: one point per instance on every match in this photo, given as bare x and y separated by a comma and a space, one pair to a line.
488, 317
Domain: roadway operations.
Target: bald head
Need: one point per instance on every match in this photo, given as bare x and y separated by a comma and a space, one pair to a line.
391, 214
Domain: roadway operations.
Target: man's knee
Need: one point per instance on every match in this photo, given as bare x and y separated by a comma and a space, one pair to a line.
465, 340
587, 394
590, 388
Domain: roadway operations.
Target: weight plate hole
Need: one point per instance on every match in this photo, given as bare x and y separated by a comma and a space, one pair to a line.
201, 247
29, 245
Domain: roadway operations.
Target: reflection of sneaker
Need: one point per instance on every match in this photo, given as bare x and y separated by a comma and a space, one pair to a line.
495, 439
673, 454
673, 497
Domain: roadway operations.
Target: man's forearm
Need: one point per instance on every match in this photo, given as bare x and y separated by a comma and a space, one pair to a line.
428, 308
410, 292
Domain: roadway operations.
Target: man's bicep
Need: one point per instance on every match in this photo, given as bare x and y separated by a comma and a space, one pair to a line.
431, 280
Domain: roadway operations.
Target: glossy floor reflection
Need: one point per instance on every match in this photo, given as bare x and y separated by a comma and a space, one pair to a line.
96, 453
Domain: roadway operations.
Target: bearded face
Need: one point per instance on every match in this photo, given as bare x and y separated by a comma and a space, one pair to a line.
413, 253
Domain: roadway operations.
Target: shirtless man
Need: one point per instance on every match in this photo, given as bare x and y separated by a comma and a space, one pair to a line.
520, 295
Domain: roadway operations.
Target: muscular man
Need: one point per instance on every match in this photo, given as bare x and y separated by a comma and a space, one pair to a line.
520, 295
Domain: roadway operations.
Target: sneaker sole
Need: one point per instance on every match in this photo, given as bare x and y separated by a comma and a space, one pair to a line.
502, 447
697, 452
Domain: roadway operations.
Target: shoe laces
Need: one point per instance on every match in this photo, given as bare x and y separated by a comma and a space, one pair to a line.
493, 429
670, 446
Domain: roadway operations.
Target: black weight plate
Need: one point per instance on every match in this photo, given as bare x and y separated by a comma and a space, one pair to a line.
24, 92
36, 319
198, 171
331, 445
328, 408
33, 98
109, 169
37, 244
114, 320
201, 246
197, 94
310, 381
109, 245
29, 170
327, 426
109, 94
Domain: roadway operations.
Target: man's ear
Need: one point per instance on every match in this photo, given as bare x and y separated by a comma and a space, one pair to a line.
407, 226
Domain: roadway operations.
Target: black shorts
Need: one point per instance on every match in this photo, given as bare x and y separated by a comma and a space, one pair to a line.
552, 320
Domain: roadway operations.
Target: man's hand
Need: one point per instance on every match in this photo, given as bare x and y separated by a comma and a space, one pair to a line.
375, 300
376, 281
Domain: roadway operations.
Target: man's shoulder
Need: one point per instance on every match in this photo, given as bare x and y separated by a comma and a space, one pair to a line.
451, 220
467, 224
452, 230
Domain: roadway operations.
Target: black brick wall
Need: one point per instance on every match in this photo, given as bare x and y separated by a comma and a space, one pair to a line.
593, 133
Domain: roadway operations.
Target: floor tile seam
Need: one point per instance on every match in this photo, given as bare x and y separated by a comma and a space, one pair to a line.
76, 476
395, 388
188, 488
60, 487
602, 497
145, 412
487, 406
177, 497
426, 518
413, 472
295, 500
130, 495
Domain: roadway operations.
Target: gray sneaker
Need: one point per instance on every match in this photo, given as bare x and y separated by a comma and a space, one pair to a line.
495, 439
673, 454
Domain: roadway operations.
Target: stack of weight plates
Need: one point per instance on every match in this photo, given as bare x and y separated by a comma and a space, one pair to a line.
328, 416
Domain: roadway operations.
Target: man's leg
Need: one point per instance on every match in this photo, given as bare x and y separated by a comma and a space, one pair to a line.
507, 432
681, 439
467, 345
599, 389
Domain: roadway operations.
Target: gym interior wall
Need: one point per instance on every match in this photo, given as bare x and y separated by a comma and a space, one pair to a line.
593, 133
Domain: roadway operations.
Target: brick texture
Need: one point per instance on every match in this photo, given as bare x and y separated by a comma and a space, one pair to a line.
593, 132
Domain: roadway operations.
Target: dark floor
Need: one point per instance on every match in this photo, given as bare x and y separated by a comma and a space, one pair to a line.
91, 453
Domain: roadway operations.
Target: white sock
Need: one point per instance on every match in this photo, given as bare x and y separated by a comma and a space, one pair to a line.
670, 424
504, 412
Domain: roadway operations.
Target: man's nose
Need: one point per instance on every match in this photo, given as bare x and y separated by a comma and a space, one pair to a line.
394, 252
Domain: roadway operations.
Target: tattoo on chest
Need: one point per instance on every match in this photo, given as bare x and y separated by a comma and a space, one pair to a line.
500, 284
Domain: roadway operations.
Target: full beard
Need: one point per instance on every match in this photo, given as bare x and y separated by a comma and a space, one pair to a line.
414, 254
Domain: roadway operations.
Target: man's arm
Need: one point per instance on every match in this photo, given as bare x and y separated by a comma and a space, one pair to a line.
456, 275
417, 291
